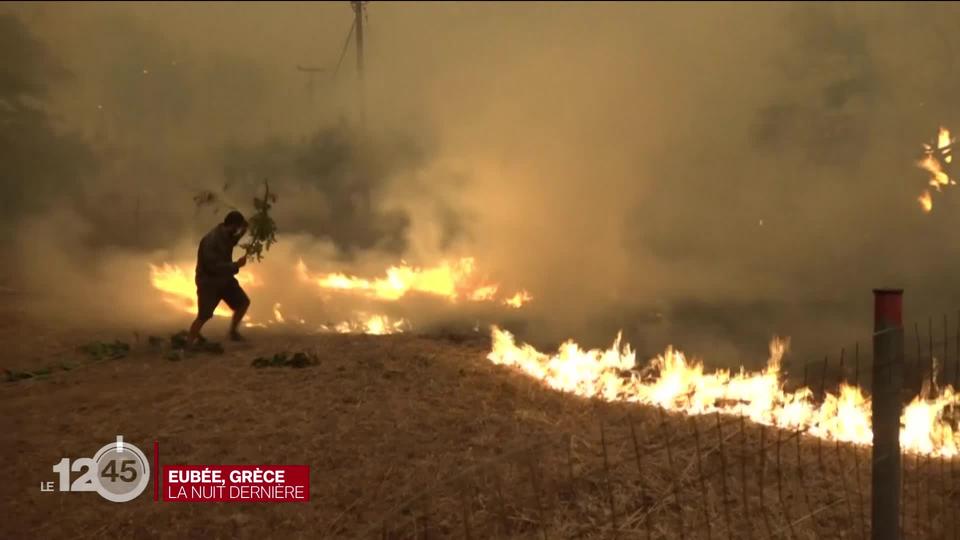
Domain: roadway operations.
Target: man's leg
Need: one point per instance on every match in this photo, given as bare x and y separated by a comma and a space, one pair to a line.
235, 322
195, 328
207, 300
239, 302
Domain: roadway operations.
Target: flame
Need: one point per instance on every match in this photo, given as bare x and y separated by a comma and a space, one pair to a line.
446, 280
484, 293
452, 281
937, 176
932, 162
518, 299
377, 325
180, 289
943, 138
676, 383
922, 427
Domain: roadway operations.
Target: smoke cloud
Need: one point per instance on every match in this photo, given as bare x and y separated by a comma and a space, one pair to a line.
706, 175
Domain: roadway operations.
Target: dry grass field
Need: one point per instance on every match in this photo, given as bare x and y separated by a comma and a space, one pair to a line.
411, 436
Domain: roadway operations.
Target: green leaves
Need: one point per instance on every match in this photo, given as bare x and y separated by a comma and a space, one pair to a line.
178, 342
14, 376
262, 227
205, 198
284, 359
100, 350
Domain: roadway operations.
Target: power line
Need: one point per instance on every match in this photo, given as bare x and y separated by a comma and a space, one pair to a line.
343, 52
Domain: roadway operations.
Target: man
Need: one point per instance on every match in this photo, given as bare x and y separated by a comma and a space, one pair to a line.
215, 276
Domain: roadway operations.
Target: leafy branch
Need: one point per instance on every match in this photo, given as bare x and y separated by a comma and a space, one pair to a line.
262, 227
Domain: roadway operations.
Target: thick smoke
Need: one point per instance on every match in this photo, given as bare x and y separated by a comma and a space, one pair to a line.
40, 162
698, 174
333, 183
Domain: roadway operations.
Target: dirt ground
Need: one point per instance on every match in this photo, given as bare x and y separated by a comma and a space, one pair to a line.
403, 434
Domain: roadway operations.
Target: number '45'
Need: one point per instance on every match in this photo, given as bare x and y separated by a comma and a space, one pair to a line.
88, 469
127, 472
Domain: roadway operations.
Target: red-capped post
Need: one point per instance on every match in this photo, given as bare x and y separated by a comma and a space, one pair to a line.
887, 384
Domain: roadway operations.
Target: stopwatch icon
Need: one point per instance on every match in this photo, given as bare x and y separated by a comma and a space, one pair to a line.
122, 471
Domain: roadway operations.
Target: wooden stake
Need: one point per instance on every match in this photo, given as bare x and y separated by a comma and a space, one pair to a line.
916, 467
643, 490
856, 467
929, 483
953, 483
673, 472
703, 484
606, 473
823, 395
763, 467
723, 479
943, 488
803, 487
747, 518
843, 484
903, 500
783, 504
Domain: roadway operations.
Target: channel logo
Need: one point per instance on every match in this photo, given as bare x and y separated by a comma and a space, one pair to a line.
119, 472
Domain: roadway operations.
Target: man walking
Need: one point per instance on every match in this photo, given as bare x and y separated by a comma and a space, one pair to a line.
215, 276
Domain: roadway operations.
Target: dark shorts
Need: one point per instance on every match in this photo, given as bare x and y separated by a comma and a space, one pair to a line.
209, 296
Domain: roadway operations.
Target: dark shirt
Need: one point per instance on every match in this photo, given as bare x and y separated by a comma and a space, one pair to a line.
215, 264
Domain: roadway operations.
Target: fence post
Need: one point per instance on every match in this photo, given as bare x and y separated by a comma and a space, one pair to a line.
887, 383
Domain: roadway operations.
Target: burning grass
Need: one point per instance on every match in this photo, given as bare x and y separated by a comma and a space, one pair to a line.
677, 383
452, 283
587, 467
405, 433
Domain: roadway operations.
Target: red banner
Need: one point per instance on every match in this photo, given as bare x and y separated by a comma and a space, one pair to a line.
236, 483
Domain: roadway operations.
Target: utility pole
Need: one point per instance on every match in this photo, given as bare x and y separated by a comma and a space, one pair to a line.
310, 71
358, 13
